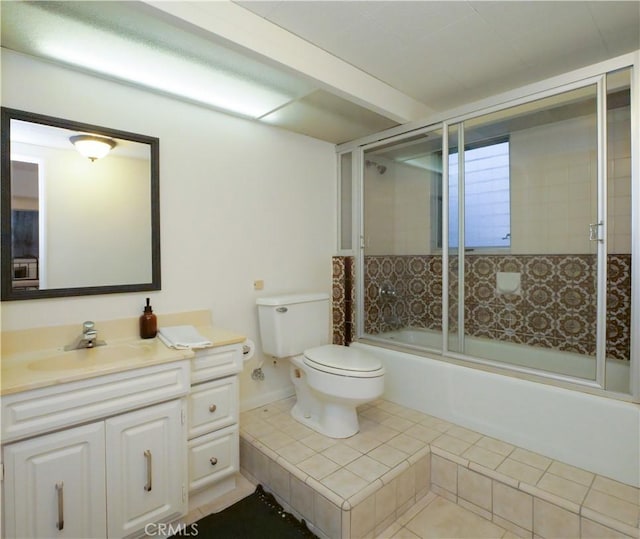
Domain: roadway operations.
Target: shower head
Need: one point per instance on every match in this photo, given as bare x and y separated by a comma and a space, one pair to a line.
380, 168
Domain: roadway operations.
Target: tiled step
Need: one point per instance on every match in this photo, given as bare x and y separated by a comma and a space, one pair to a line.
360, 485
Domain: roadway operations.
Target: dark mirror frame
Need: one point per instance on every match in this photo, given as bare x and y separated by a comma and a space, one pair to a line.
6, 275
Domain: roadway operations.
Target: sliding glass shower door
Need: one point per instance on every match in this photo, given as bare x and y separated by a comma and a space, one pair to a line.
524, 197
505, 238
402, 265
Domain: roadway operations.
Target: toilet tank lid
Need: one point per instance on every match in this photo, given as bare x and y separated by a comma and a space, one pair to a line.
289, 299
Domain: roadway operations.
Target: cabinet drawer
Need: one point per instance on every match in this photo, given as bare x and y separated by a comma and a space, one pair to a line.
212, 363
213, 457
213, 405
47, 409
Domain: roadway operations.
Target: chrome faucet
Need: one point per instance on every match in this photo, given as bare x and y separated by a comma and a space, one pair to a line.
88, 339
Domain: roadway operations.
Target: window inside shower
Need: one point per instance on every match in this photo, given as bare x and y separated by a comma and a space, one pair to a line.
539, 195
487, 195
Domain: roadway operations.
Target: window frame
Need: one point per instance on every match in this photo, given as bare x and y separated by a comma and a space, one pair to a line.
437, 201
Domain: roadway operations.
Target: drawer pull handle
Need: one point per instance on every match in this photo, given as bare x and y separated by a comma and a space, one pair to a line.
147, 456
213, 408
213, 461
60, 491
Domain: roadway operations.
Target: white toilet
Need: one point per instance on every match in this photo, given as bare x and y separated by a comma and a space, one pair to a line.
330, 380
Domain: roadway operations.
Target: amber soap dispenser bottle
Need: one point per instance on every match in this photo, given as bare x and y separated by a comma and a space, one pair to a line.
148, 323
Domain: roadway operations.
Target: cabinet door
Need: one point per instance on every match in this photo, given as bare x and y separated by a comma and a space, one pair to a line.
55, 485
213, 405
146, 459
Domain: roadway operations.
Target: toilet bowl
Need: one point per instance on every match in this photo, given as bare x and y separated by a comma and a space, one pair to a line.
330, 382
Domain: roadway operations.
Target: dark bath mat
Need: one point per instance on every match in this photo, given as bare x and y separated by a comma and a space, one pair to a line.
258, 516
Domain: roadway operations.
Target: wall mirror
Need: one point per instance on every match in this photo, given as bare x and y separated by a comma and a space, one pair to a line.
74, 225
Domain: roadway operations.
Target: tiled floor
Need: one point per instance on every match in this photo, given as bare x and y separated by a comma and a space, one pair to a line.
437, 517
432, 517
471, 474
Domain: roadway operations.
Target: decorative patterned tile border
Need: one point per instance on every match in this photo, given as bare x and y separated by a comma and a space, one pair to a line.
556, 307
343, 299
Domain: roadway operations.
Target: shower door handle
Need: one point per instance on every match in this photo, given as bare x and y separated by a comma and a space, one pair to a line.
594, 231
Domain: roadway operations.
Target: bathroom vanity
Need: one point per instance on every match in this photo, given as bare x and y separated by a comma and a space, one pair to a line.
104, 442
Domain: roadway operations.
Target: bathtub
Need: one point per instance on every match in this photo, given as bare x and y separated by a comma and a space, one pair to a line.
595, 433
520, 355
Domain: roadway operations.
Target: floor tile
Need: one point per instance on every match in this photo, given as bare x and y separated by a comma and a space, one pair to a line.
483, 456
520, 471
497, 446
344, 483
382, 433
436, 423
398, 423
362, 442
341, 454
613, 507
412, 415
376, 414
423, 433
530, 458
442, 518
571, 473
296, 452
614, 488
563, 487
464, 434
388, 455
406, 443
451, 444
318, 466
390, 407
317, 442
367, 468
276, 440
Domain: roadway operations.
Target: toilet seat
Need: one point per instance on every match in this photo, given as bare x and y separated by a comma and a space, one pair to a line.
343, 361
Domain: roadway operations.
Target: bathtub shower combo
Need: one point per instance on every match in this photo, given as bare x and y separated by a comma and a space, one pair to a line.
502, 239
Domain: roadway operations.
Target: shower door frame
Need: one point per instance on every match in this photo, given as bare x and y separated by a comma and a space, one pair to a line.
595, 75
601, 280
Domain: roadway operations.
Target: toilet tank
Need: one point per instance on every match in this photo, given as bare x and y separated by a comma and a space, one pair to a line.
289, 324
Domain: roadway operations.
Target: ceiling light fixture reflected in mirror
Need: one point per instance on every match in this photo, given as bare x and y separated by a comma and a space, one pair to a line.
92, 146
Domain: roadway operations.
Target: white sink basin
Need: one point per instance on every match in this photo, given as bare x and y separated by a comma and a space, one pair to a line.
89, 357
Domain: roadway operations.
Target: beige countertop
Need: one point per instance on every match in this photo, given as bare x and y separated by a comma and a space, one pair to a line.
24, 369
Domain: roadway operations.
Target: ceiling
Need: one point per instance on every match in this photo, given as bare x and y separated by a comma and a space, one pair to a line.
333, 70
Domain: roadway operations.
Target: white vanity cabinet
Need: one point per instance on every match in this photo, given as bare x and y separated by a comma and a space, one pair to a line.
124, 467
213, 434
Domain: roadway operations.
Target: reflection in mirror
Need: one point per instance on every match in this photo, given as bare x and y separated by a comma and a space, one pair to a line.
72, 223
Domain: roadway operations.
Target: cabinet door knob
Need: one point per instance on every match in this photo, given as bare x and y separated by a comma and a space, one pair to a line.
213, 461
147, 456
60, 491
213, 408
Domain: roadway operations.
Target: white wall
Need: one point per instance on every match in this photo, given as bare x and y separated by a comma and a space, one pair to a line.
239, 201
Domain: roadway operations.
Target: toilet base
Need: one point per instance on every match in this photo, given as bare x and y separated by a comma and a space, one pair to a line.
332, 419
